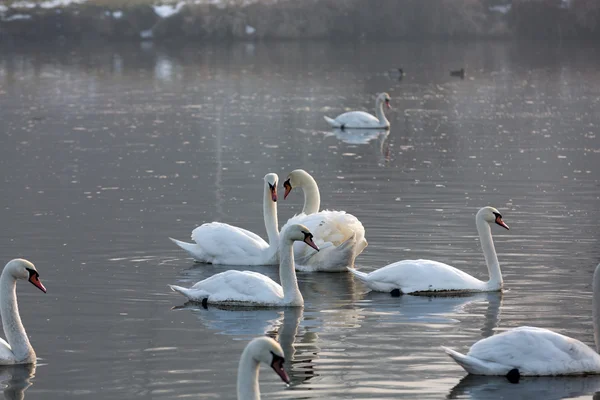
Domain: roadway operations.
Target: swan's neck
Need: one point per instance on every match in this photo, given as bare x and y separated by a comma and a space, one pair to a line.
312, 197
11, 321
596, 307
489, 252
287, 275
379, 113
270, 216
247, 380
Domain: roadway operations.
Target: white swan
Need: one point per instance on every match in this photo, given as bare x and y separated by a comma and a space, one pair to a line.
17, 350
426, 276
361, 119
339, 235
528, 351
260, 350
247, 288
218, 243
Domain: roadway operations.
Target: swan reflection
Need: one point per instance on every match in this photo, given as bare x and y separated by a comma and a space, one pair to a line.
16, 379
429, 309
376, 137
299, 345
547, 388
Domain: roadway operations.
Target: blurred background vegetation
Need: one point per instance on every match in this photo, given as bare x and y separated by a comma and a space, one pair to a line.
300, 19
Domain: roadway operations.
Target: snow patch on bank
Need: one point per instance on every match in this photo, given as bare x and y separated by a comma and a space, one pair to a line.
167, 10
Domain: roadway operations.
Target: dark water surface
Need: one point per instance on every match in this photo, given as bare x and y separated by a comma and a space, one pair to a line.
106, 152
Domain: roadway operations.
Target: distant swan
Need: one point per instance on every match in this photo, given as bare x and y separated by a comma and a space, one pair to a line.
218, 243
428, 277
339, 235
247, 288
361, 119
528, 351
260, 350
17, 350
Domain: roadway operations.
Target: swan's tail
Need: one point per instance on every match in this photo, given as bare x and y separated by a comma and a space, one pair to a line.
475, 366
331, 258
191, 248
332, 122
362, 276
184, 291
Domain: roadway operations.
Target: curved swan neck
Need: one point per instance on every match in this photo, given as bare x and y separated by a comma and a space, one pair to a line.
247, 380
287, 275
379, 112
11, 320
312, 197
596, 308
270, 216
489, 252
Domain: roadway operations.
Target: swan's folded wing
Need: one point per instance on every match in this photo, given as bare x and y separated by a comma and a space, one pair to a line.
226, 241
6, 354
328, 228
423, 275
537, 351
245, 286
357, 118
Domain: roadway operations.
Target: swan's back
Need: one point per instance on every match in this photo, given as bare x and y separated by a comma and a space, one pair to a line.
234, 287
357, 119
537, 351
423, 276
226, 244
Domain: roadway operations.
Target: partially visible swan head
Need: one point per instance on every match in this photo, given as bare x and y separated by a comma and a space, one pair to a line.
271, 180
296, 178
384, 97
299, 232
491, 216
266, 350
23, 269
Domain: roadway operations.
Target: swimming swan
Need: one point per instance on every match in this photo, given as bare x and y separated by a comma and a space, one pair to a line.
251, 289
17, 350
428, 277
260, 350
361, 119
218, 243
339, 235
529, 351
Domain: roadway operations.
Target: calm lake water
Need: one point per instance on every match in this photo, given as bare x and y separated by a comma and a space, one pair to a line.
108, 151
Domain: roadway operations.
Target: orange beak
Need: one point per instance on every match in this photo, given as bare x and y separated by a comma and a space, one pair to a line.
37, 283
501, 223
310, 242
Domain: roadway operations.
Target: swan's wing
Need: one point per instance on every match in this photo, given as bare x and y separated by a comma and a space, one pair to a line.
329, 228
423, 275
537, 351
6, 354
357, 118
239, 286
227, 244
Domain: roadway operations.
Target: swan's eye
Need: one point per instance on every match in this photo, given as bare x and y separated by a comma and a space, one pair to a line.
287, 184
272, 186
32, 273
497, 215
307, 235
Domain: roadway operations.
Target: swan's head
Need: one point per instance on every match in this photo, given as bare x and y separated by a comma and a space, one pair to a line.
299, 232
271, 181
266, 350
491, 216
296, 178
384, 98
23, 269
